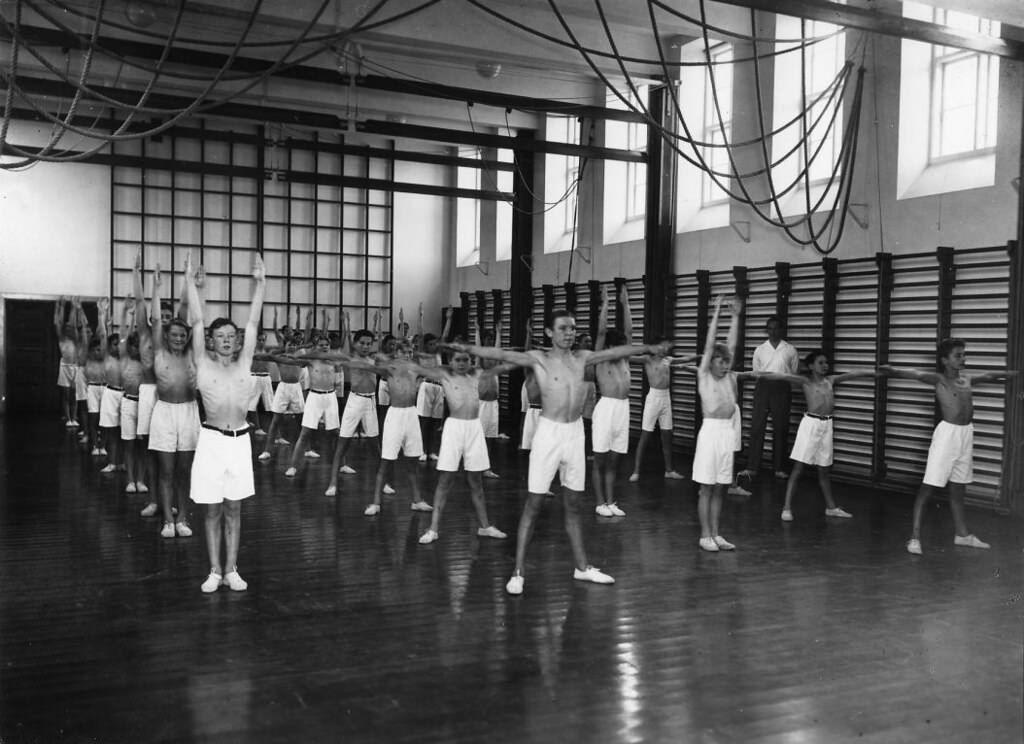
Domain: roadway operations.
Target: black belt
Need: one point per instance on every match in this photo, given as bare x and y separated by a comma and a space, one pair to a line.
820, 418
115, 388
322, 392
536, 405
97, 384
129, 396
228, 432
260, 374
363, 395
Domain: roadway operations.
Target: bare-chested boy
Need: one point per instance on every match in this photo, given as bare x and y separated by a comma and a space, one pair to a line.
610, 435
490, 388
132, 373
321, 403
658, 410
713, 458
361, 406
67, 375
430, 400
401, 430
462, 439
813, 444
262, 391
558, 442
951, 454
95, 381
174, 425
110, 403
288, 398
222, 471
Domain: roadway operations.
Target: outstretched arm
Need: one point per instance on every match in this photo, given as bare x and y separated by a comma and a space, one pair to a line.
929, 378
621, 352
999, 376
854, 374
515, 358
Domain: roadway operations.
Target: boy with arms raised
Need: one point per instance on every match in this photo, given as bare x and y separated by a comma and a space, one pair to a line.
222, 470
951, 454
558, 442
713, 457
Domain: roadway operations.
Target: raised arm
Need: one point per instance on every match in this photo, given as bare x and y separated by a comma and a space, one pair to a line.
735, 309
103, 304
346, 332
497, 335
627, 315
709, 342
259, 274
59, 308
528, 341
195, 311
602, 320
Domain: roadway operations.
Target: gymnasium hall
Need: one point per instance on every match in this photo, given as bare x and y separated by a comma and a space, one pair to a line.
734, 222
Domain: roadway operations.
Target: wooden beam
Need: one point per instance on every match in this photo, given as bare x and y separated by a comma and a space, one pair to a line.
886, 23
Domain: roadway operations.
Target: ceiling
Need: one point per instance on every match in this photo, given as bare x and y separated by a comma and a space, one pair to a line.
468, 44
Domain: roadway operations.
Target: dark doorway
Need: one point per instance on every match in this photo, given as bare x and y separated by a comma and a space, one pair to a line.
32, 356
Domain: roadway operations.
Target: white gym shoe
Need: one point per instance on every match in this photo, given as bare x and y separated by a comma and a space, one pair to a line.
594, 575
491, 531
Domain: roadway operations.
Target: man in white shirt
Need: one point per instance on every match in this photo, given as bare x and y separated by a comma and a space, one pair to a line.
778, 356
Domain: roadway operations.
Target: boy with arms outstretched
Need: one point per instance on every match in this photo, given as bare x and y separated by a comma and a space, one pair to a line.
951, 454
558, 442
813, 444
713, 457
462, 438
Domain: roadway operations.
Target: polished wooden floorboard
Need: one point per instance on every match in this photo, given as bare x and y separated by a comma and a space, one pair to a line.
819, 631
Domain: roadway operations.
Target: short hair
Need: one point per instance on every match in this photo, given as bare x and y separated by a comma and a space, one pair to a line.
721, 350
946, 347
776, 319
113, 339
428, 337
555, 315
176, 321
812, 357
614, 337
220, 323
360, 334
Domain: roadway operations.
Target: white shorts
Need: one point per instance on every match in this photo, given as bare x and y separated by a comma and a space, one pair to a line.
524, 399
737, 429
610, 430
174, 427
951, 455
558, 448
813, 443
657, 410
383, 394
489, 416
147, 400
321, 404
401, 433
713, 458
529, 426
304, 378
67, 375
81, 386
110, 408
262, 390
129, 417
288, 398
222, 468
463, 439
359, 409
94, 396
430, 400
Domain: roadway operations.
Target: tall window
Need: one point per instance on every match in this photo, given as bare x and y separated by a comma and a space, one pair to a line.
562, 174
467, 212
636, 173
717, 132
948, 104
964, 91
503, 217
824, 60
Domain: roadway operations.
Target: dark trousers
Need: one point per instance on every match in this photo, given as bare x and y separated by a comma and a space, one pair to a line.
774, 396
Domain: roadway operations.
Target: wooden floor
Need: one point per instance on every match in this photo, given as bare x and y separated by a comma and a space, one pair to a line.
814, 632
